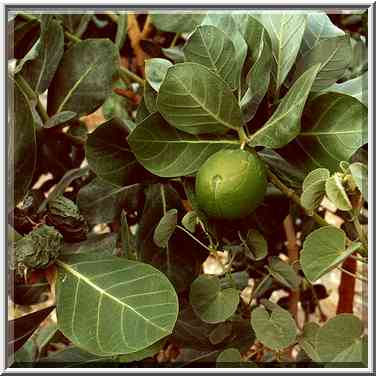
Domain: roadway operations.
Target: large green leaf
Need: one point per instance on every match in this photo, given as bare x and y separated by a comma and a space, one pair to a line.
84, 78
112, 305
284, 124
258, 79
210, 46
109, 156
195, 100
21, 147
100, 201
177, 22
323, 250
225, 22
334, 54
41, 63
275, 329
334, 127
253, 33
183, 153
308, 340
357, 88
209, 302
357, 353
337, 335
286, 31
319, 26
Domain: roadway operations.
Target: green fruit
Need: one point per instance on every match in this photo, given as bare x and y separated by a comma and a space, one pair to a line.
231, 184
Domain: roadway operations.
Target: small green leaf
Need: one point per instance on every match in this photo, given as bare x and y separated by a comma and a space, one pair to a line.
337, 335
276, 330
314, 176
359, 172
195, 100
211, 47
84, 77
314, 188
230, 357
323, 250
165, 228
336, 192
256, 245
284, 273
189, 221
209, 302
175, 54
155, 71
284, 124
183, 154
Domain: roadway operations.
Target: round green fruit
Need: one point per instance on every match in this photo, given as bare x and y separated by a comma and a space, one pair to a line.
231, 184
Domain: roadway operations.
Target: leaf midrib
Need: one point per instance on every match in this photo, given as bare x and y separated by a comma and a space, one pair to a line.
74, 87
79, 276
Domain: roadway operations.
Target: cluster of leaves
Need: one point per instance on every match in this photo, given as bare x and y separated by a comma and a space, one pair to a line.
283, 83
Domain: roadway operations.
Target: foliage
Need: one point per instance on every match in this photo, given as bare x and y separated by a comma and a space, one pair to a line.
113, 219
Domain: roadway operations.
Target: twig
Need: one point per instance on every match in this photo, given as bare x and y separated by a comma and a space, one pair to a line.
174, 40
127, 74
356, 276
164, 205
294, 197
293, 254
193, 237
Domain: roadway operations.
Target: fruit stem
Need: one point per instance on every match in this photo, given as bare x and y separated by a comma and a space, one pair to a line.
242, 137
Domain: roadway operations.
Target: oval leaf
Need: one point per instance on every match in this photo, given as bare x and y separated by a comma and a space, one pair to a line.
334, 127
177, 22
59, 119
359, 172
210, 303
211, 47
315, 176
231, 356
109, 156
336, 193
132, 305
165, 228
337, 335
195, 100
323, 250
21, 147
276, 330
284, 124
189, 221
256, 245
84, 78
286, 31
183, 154
155, 71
